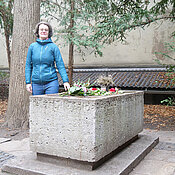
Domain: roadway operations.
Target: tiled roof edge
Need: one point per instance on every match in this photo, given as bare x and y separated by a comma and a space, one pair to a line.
119, 70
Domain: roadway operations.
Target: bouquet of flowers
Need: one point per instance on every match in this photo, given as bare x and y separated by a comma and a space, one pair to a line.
87, 89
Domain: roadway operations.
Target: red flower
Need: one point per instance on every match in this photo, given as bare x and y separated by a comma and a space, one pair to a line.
93, 89
112, 90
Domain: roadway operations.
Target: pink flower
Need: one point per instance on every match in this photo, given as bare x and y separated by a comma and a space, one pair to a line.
93, 89
112, 90
84, 89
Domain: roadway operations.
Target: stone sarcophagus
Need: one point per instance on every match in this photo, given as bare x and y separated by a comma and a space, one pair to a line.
85, 129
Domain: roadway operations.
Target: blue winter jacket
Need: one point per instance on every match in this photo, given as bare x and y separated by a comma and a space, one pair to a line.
40, 63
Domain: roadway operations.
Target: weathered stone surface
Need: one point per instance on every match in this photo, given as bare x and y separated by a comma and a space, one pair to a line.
84, 128
120, 164
4, 157
2, 140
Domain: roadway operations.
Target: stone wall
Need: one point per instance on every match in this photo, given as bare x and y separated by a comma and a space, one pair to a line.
138, 50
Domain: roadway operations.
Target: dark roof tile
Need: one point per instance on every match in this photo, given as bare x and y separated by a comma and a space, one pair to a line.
128, 79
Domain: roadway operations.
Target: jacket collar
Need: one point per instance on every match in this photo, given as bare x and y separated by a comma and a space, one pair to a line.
43, 41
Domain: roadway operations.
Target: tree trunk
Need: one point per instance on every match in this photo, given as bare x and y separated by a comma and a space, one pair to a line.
6, 15
7, 39
71, 61
26, 15
71, 46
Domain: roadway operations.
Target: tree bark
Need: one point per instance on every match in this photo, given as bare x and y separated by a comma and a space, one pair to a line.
71, 46
7, 39
71, 62
6, 15
26, 15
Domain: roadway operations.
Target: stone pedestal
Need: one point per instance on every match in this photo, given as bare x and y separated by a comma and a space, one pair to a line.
84, 129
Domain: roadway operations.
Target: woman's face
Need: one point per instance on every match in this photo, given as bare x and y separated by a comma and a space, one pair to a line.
43, 31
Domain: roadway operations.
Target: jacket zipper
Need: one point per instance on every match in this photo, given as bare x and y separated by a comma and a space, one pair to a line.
40, 63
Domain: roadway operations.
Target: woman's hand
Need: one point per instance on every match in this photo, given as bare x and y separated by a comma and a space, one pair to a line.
29, 88
66, 86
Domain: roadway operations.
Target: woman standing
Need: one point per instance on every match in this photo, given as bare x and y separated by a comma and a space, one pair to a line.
40, 72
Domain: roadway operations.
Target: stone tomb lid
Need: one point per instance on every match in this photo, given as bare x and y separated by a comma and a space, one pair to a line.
124, 92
